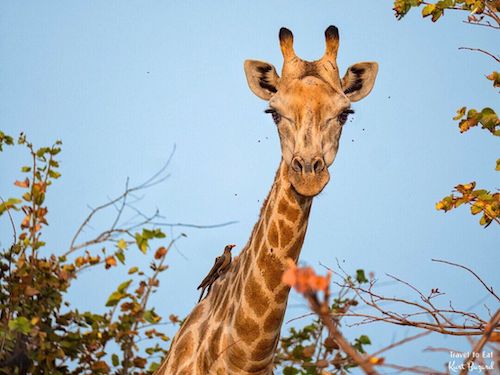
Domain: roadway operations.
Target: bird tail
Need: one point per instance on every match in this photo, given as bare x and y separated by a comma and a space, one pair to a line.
201, 295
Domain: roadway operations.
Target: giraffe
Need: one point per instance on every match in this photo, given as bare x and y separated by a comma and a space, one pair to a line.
236, 329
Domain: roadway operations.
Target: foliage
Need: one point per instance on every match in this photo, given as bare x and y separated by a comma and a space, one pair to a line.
482, 13
311, 349
480, 200
477, 9
40, 332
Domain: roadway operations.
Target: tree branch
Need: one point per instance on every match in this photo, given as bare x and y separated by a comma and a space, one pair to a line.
496, 58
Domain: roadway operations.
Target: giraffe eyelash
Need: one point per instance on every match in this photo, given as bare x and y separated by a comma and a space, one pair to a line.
275, 115
344, 115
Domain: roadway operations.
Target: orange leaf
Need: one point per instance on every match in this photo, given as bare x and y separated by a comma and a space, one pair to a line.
30, 291
377, 360
160, 253
110, 261
495, 337
22, 184
26, 222
80, 261
174, 318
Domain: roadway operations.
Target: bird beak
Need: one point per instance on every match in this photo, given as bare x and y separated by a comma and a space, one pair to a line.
231, 246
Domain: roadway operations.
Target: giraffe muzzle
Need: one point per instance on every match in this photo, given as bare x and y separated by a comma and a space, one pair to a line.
308, 176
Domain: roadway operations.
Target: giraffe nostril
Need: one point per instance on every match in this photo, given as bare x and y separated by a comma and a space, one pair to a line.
297, 164
318, 165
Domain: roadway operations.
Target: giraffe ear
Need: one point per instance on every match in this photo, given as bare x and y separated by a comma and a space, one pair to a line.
262, 78
359, 80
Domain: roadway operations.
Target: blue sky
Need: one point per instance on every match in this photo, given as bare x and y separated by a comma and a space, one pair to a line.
121, 82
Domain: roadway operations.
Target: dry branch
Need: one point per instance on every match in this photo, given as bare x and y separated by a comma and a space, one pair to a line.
490, 328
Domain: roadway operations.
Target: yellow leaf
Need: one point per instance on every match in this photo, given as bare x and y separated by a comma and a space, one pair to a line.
121, 244
460, 113
376, 360
428, 9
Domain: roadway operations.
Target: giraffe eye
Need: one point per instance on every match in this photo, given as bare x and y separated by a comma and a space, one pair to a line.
275, 115
344, 116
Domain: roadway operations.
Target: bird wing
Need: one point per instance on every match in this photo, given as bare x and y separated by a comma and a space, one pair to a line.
218, 262
225, 264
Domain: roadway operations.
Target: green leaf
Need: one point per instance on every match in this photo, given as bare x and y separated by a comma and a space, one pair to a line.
123, 286
364, 340
121, 256
9, 204
154, 366
20, 324
54, 174
151, 317
114, 298
115, 360
5, 139
133, 270
142, 242
360, 276
497, 168
289, 370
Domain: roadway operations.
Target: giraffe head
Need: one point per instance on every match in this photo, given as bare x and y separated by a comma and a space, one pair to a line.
309, 104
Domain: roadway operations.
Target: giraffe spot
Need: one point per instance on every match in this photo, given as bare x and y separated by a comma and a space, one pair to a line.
286, 233
196, 314
277, 186
292, 214
271, 269
273, 320
247, 329
235, 266
186, 370
255, 296
222, 308
258, 235
268, 215
287, 210
282, 294
264, 349
230, 312
214, 342
183, 350
206, 362
236, 357
294, 250
203, 327
272, 235
247, 265
258, 368
291, 195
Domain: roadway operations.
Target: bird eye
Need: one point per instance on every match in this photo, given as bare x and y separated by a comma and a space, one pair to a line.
275, 115
344, 116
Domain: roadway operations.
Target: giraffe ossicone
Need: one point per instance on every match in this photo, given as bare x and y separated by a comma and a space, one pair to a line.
236, 329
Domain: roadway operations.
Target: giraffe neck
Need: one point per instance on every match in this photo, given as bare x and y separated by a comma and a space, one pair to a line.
236, 328
259, 297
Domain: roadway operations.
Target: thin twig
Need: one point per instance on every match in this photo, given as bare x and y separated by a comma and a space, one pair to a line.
482, 51
488, 288
401, 342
